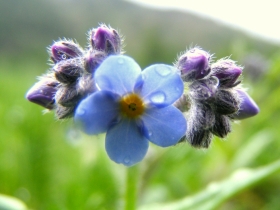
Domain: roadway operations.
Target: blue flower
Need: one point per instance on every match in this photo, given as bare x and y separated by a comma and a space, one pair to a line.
133, 107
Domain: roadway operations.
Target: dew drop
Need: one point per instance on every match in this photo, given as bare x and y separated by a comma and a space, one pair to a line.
126, 160
178, 89
192, 50
158, 97
120, 61
163, 71
150, 133
81, 111
63, 56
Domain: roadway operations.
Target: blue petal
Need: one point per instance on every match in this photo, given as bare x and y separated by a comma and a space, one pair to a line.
162, 85
117, 73
96, 113
125, 143
165, 126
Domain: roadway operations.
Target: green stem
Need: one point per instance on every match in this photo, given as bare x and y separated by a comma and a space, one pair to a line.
131, 188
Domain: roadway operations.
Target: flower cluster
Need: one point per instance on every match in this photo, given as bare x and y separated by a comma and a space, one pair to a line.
215, 96
70, 78
106, 91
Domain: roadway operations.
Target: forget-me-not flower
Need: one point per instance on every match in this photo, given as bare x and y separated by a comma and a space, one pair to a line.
133, 107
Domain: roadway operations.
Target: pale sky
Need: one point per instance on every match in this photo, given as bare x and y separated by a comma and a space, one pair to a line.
254, 16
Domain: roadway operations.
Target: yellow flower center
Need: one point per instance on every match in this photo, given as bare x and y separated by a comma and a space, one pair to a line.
131, 105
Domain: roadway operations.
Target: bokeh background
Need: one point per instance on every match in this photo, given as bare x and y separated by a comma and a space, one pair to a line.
48, 164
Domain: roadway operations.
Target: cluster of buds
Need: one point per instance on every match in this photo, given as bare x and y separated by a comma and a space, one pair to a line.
70, 78
214, 97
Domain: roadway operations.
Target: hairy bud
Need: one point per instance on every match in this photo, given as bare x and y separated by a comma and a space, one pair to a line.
63, 50
204, 90
93, 59
227, 72
201, 118
226, 102
222, 126
64, 112
194, 64
68, 71
248, 107
43, 92
67, 96
199, 138
106, 39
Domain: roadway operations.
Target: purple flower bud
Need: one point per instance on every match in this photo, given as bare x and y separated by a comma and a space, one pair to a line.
86, 85
194, 64
222, 126
248, 107
227, 72
106, 39
200, 117
199, 138
93, 59
68, 96
68, 71
64, 112
63, 50
226, 102
43, 92
204, 90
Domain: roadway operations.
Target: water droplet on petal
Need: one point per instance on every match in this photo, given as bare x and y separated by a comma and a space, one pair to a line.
158, 97
163, 71
178, 89
150, 133
126, 160
80, 111
120, 61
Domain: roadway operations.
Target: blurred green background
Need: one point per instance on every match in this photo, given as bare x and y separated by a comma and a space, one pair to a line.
48, 164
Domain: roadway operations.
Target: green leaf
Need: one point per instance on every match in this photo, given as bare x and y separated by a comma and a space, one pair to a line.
256, 145
218, 192
11, 203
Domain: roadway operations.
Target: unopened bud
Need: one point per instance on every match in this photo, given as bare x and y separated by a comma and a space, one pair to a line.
85, 85
227, 72
106, 39
200, 119
68, 71
63, 50
93, 59
199, 138
226, 102
67, 96
64, 112
204, 90
194, 64
221, 126
248, 107
43, 92
202, 116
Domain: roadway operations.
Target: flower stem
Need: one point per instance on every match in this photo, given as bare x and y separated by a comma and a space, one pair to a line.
131, 188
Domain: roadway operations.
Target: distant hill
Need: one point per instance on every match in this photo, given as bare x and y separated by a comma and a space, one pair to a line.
151, 35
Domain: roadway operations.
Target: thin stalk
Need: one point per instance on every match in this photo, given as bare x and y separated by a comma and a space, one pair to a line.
131, 188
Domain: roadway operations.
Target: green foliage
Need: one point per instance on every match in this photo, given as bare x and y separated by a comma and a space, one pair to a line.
216, 193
